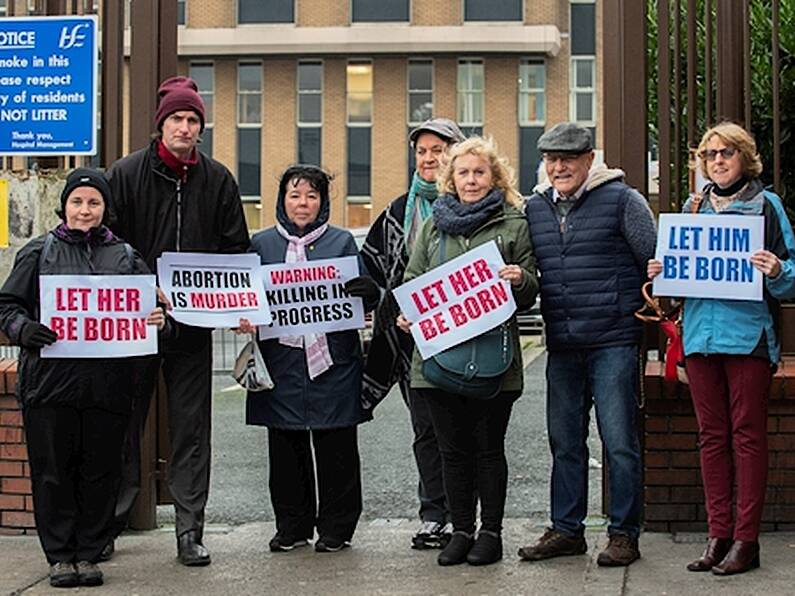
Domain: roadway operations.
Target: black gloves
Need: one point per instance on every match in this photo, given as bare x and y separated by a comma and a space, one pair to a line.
36, 335
365, 288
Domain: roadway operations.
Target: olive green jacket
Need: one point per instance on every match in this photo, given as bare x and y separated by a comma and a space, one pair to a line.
509, 229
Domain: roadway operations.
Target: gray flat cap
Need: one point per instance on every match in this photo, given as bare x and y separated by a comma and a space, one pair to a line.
443, 128
566, 137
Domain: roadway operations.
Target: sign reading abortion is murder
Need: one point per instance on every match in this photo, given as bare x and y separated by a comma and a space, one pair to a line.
309, 297
210, 290
98, 316
456, 301
708, 256
48, 85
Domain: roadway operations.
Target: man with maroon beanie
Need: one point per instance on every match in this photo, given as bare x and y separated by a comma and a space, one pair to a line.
171, 197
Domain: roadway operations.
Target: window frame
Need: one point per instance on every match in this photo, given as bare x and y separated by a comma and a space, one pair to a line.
409, 90
4, 8
291, 22
299, 92
388, 21
459, 93
574, 90
362, 62
240, 92
522, 92
465, 21
184, 12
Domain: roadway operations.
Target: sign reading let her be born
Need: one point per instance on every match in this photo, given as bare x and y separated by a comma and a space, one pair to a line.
708, 256
456, 301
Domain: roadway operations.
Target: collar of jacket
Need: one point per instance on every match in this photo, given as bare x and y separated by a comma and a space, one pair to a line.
750, 202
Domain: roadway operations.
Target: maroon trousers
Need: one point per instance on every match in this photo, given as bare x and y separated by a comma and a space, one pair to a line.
730, 395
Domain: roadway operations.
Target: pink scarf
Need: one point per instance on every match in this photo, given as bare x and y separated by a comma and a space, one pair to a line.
318, 357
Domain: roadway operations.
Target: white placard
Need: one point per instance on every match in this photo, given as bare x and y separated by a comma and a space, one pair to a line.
708, 256
211, 290
456, 301
309, 297
98, 316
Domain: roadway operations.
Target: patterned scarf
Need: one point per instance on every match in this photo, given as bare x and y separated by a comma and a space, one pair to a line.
315, 345
419, 207
454, 217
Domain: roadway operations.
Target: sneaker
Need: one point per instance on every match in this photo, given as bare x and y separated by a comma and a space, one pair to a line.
282, 544
429, 536
553, 544
621, 550
88, 574
330, 545
63, 575
447, 534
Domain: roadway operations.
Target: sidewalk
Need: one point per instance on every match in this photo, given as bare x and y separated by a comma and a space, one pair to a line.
380, 562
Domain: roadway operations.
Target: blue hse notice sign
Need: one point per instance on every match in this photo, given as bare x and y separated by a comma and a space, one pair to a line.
48, 85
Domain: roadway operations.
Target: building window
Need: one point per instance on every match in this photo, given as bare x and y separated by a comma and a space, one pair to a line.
249, 134
265, 11
470, 95
181, 19
310, 111
369, 11
532, 94
360, 116
204, 75
420, 100
493, 10
582, 28
583, 92
3, 9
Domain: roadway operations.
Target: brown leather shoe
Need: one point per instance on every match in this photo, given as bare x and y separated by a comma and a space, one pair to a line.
621, 550
553, 544
716, 549
742, 557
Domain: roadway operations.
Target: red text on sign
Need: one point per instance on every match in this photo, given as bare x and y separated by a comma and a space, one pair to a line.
223, 300
65, 327
429, 297
113, 329
118, 299
72, 298
480, 303
470, 276
433, 326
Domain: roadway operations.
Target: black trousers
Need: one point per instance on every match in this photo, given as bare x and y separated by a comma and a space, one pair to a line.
74, 459
471, 436
433, 501
188, 378
294, 457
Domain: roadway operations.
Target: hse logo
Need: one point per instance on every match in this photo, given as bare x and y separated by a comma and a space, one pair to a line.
72, 38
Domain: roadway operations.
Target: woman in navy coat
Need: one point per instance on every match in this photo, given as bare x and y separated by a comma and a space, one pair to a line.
314, 407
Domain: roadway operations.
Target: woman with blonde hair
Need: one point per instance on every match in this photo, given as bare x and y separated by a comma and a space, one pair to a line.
477, 204
731, 351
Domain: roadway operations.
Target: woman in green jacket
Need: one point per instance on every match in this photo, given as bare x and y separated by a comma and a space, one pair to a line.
478, 203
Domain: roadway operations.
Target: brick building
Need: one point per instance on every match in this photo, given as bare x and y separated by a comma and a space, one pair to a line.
340, 82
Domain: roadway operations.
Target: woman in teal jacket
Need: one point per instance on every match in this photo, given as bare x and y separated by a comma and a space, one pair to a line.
731, 351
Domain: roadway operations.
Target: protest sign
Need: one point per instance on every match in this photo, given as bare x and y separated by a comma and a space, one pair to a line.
98, 316
309, 297
456, 301
210, 290
708, 256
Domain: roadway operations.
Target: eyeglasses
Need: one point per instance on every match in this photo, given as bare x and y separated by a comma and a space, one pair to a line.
725, 153
565, 158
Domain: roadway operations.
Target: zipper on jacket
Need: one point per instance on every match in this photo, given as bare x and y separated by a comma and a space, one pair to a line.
179, 213
562, 224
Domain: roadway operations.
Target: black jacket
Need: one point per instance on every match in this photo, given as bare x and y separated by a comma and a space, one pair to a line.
79, 382
156, 212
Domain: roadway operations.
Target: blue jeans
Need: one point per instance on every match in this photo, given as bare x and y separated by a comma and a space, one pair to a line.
607, 378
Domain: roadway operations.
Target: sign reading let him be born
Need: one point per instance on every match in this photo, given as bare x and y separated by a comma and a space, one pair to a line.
456, 301
708, 256
98, 316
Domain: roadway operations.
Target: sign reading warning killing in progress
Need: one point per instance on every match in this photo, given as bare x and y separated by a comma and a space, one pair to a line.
708, 256
457, 300
98, 316
310, 297
210, 290
48, 85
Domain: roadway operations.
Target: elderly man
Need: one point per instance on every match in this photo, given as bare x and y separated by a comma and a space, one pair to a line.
171, 197
386, 252
593, 236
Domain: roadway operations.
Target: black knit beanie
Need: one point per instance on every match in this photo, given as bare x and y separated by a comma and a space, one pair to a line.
85, 177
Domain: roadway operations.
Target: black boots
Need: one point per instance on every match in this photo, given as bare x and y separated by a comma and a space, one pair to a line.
190, 550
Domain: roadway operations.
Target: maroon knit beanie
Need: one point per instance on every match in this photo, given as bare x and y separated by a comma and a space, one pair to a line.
177, 94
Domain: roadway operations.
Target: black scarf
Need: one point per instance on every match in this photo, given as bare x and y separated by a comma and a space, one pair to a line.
455, 217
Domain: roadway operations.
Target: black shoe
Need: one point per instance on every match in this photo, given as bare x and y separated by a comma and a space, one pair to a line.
327, 544
108, 550
456, 550
190, 550
428, 536
486, 550
282, 544
88, 574
63, 575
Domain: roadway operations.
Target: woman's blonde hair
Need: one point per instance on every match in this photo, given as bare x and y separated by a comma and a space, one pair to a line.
735, 136
502, 174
